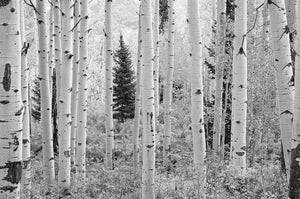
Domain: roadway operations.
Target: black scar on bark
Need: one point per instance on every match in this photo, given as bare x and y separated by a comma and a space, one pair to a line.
7, 77
4, 3
294, 191
20, 111
14, 172
240, 153
4, 102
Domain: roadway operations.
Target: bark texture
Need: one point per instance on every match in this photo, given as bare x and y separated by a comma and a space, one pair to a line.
11, 106
148, 115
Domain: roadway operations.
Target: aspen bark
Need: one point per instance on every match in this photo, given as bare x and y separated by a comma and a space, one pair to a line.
58, 56
221, 25
11, 106
156, 54
65, 96
50, 52
82, 92
26, 173
75, 83
169, 82
283, 65
148, 115
137, 110
239, 90
294, 192
199, 144
108, 86
47, 136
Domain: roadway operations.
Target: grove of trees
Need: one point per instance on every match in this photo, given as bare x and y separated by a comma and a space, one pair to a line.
149, 99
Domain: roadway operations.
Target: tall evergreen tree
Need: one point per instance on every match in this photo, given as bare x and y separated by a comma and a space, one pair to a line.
124, 85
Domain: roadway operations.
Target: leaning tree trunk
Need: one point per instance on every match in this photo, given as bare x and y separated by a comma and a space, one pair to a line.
11, 106
239, 90
108, 86
26, 174
221, 25
283, 65
82, 92
295, 144
74, 97
65, 96
199, 144
47, 136
137, 109
156, 54
169, 82
148, 115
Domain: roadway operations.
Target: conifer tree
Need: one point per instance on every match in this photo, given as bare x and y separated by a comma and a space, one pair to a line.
124, 85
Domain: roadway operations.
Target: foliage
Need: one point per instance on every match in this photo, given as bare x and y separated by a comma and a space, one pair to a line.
163, 13
124, 85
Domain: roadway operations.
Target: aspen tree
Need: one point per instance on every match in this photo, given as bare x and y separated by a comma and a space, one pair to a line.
199, 144
11, 106
65, 96
82, 91
137, 109
50, 52
169, 82
239, 90
221, 25
294, 192
74, 97
47, 136
26, 174
156, 54
214, 8
148, 114
283, 65
108, 85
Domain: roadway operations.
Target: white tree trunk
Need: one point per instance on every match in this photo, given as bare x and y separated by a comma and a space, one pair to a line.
26, 174
137, 109
11, 106
295, 141
82, 92
50, 52
108, 86
283, 65
239, 90
156, 54
64, 132
147, 102
74, 97
169, 81
199, 144
47, 136
221, 25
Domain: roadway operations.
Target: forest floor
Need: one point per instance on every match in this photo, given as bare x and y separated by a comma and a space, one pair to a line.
177, 180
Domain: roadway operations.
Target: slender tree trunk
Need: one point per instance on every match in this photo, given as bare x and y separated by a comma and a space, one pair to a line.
82, 91
137, 110
169, 82
26, 173
156, 54
11, 106
214, 9
58, 65
50, 52
148, 102
239, 90
74, 97
223, 121
295, 141
65, 96
283, 65
199, 144
47, 136
221, 25
108, 86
